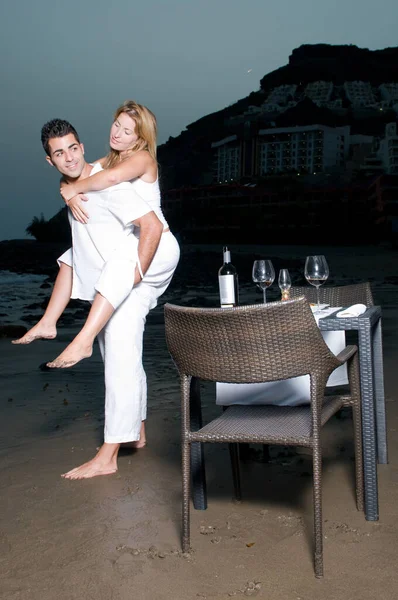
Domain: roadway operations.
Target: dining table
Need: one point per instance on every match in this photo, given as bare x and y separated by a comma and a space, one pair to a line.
368, 327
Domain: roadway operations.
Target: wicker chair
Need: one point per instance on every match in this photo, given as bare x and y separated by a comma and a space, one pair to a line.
252, 344
342, 295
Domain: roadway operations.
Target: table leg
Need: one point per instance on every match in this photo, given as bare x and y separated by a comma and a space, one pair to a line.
199, 492
380, 405
368, 421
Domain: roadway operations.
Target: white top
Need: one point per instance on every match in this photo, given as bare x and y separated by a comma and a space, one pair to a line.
108, 230
150, 192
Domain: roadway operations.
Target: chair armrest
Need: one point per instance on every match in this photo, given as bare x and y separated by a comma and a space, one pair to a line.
347, 353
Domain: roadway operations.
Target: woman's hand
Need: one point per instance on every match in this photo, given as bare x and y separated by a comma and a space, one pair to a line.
68, 191
74, 201
77, 210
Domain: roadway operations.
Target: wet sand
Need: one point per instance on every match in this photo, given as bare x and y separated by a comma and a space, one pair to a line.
118, 537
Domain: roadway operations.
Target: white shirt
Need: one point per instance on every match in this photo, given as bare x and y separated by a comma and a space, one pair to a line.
109, 230
150, 192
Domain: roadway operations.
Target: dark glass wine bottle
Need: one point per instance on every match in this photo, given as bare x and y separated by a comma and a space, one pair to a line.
228, 282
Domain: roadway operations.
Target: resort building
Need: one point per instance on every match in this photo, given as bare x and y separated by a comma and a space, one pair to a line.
389, 92
267, 107
319, 92
282, 94
228, 159
309, 148
362, 149
359, 93
335, 105
388, 151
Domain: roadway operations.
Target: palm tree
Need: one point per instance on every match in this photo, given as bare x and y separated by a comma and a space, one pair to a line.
37, 228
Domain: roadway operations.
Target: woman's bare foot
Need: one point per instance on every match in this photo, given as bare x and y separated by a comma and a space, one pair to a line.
103, 463
72, 354
40, 331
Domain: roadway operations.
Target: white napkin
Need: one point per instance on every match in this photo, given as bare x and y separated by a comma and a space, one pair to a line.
352, 311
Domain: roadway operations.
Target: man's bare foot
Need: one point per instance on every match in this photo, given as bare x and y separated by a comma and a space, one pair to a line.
72, 354
135, 445
138, 444
38, 332
103, 463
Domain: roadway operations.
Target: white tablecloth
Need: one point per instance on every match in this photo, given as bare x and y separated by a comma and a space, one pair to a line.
288, 392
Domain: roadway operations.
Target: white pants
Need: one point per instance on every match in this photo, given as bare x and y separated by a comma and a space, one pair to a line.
121, 340
117, 275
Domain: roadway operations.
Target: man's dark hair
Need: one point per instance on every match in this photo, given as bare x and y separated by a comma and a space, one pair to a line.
56, 128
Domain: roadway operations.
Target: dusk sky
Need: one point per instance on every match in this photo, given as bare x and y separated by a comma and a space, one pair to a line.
80, 59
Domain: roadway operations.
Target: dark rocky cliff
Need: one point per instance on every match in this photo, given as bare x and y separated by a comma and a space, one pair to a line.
186, 159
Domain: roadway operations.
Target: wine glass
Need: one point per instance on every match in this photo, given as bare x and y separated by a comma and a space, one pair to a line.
285, 283
316, 272
263, 275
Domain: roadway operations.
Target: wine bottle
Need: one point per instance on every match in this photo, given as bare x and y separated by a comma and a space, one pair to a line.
228, 281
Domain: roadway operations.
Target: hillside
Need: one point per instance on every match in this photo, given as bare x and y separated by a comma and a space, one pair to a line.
186, 159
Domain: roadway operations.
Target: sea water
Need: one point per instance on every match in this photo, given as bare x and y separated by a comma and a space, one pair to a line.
17, 292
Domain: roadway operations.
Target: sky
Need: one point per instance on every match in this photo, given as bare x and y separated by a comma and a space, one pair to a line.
79, 60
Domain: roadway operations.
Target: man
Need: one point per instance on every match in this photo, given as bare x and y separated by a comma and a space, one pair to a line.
129, 272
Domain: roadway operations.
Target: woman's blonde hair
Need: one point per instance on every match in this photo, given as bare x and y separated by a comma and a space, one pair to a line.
145, 129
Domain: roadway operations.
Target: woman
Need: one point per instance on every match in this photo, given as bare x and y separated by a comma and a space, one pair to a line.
132, 158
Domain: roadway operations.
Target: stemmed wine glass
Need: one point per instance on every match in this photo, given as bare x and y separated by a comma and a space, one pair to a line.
316, 272
263, 275
285, 283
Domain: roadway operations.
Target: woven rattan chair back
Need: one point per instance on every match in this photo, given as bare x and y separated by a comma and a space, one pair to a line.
342, 295
229, 345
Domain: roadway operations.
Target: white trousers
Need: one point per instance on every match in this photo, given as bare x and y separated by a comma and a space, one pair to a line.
121, 340
117, 275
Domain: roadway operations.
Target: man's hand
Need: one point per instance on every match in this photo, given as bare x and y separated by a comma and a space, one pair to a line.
150, 233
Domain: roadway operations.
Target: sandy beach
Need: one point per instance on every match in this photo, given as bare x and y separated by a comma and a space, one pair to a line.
118, 537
